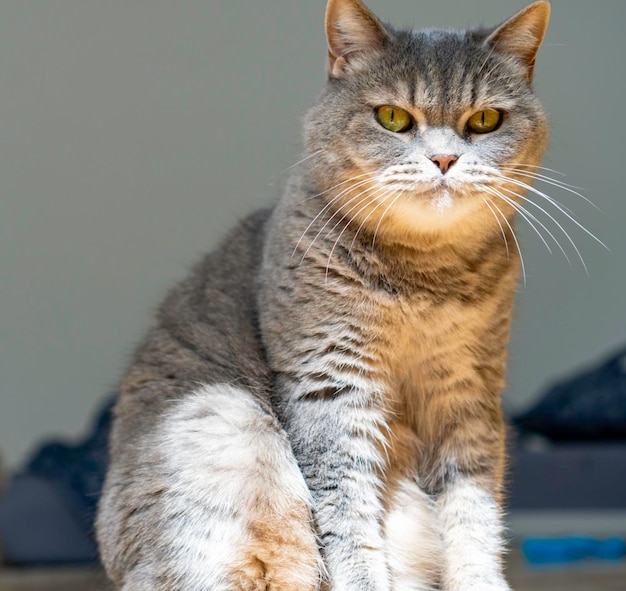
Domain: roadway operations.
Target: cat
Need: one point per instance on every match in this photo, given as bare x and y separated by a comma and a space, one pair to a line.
317, 405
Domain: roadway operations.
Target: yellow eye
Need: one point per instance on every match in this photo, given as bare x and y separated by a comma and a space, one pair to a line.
393, 118
484, 121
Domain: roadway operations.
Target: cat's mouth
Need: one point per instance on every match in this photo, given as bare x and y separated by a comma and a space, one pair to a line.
442, 197
438, 189
441, 193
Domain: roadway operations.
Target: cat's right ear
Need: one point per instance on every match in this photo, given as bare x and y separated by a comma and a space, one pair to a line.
351, 31
521, 36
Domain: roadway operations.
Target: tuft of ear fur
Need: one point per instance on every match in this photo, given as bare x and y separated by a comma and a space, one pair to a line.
521, 36
351, 31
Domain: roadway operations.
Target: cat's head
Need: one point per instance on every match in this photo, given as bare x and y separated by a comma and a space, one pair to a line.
426, 130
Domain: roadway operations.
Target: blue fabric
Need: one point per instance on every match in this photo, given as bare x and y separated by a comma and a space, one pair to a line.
589, 406
38, 525
78, 471
48, 512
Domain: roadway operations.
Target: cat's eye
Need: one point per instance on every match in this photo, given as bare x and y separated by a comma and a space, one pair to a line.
484, 121
394, 119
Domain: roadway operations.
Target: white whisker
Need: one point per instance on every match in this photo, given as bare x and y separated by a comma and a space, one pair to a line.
380, 221
524, 212
368, 199
303, 160
539, 175
553, 219
519, 250
556, 204
350, 201
529, 217
328, 205
550, 181
487, 202
372, 196
537, 167
347, 181
382, 198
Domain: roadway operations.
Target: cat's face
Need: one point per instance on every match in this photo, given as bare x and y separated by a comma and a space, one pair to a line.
419, 130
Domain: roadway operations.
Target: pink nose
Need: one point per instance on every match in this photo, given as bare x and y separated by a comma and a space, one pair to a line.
444, 162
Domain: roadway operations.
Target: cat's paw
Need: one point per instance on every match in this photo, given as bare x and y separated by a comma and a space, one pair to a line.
476, 584
257, 575
281, 556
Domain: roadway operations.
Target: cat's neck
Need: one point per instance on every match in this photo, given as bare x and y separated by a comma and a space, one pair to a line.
440, 269
457, 262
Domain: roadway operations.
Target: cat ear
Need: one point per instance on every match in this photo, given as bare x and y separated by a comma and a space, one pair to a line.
351, 30
521, 36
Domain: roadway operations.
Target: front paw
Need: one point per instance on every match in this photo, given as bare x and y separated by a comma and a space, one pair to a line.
280, 556
478, 583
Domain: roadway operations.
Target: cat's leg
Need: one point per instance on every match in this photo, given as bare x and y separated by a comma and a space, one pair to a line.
471, 526
213, 502
468, 479
413, 539
337, 438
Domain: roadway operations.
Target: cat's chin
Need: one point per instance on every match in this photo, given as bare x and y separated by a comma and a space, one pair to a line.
445, 201
441, 207
442, 200
442, 211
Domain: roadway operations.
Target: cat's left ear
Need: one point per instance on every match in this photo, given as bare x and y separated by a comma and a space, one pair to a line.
522, 35
352, 31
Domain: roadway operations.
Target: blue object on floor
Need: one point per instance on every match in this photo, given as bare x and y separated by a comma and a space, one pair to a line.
572, 549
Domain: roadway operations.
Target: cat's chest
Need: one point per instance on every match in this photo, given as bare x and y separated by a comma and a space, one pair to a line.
425, 347
413, 332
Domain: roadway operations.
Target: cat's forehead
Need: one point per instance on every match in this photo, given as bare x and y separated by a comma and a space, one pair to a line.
443, 71
443, 50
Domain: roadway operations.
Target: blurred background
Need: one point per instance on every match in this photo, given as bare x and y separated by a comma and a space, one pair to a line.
134, 133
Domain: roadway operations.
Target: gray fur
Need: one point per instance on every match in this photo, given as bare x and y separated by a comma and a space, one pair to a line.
275, 339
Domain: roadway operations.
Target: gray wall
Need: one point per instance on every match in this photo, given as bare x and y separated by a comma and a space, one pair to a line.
134, 132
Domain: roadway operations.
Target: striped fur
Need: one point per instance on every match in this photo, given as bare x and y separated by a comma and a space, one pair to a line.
317, 405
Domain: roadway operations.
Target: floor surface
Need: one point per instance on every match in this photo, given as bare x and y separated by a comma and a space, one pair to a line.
596, 577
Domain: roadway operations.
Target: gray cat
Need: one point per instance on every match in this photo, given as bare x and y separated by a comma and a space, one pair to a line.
317, 405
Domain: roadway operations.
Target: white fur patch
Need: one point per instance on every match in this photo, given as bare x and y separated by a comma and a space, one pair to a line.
226, 460
442, 200
472, 537
413, 539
